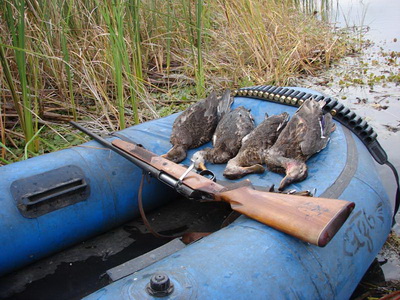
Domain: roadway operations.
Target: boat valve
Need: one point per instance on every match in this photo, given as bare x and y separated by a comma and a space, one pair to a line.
159, 285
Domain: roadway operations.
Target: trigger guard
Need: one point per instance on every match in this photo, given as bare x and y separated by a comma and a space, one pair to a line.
208, 174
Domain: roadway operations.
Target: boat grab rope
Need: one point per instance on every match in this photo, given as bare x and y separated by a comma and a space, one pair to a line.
187, 237
143, 215
342, 114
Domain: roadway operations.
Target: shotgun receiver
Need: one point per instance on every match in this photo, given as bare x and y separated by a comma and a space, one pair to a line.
311, 219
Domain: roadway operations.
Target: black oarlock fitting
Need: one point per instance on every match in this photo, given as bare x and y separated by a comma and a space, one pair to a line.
160, 285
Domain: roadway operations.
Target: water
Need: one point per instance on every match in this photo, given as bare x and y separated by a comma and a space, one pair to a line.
379, 101
381, 16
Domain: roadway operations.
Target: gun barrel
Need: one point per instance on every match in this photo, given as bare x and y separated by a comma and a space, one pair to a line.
162, 176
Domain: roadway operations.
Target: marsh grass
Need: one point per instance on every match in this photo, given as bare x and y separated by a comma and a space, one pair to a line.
121, 62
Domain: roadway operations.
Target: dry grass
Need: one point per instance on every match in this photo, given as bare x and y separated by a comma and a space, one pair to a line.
131, 62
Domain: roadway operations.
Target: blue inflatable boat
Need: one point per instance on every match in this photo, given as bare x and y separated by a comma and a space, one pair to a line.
51, 202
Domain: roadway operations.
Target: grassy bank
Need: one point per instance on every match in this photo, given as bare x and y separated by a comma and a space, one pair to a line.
118, 63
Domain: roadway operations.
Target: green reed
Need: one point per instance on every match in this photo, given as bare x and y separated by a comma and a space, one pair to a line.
194, 32
18, 39
64, 32
136, 81
10, 83
113, 13
200, 88
168, 35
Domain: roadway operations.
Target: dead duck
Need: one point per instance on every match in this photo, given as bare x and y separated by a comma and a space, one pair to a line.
196, 125
227, 139
306, 133
251, 155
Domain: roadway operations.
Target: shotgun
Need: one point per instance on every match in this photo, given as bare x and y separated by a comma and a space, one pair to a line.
310, 219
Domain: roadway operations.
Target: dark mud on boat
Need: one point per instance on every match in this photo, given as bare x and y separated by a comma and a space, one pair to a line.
82, 269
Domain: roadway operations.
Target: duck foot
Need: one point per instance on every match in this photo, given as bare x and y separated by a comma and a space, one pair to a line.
257, 169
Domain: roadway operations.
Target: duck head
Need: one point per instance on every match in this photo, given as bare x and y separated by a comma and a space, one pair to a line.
295, 171
199, 160
176, 154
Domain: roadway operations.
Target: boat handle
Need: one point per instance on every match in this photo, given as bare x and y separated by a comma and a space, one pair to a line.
52, 194
49, 191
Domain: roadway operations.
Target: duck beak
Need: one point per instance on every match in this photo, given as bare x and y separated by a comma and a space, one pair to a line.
285, 182
202, 166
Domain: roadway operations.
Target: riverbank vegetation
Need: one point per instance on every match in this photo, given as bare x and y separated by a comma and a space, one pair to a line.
121, 62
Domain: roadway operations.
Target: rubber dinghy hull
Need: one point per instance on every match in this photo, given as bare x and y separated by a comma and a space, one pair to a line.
248, 260
59, 199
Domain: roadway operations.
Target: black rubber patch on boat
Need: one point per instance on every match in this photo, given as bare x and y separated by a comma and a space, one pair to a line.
46, 192
343, 180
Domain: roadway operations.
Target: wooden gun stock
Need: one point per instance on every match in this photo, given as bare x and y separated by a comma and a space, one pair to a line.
311, 219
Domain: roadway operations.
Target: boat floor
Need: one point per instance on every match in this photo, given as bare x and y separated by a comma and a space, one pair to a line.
81, 270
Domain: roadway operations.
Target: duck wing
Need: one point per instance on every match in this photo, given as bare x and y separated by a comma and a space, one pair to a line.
224, 105
229, 133
196, 125
319, 128
261, 139
266, 133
